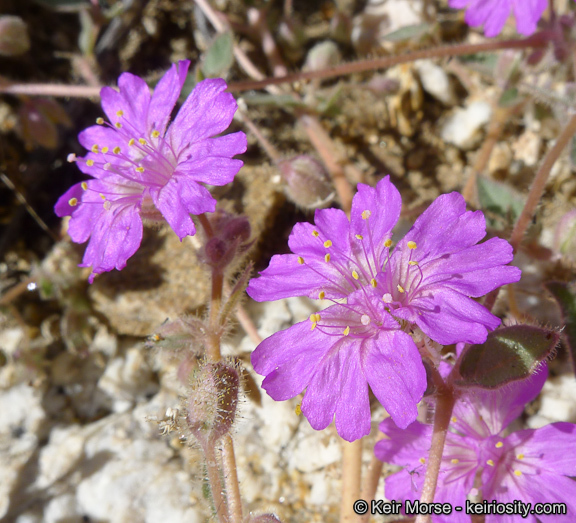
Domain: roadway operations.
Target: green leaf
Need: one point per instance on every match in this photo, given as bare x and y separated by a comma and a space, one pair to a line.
219, 57
408, 32
280, 100
510, 97
566, 297
499, 199
509, 354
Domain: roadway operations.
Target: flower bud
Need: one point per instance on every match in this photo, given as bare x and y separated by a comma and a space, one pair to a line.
307, 183
211, 401
14, 38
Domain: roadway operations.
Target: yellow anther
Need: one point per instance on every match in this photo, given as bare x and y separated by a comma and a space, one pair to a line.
120, 113
318, 318
411, 245
100, 121
131, 142
95, 148
454, 461
412, 263
315, 233
313, 326
453, 419
84, 185
321, 295
346, 331
422, 460
298, 410
102, 196
400, 288
300, 260
388, 243
89, 163
374, 283
142, 141
520, 456
359, 237
355, 275
327, 258
327, 243
118, 125
490, 462
517, 473
104, 150
116, 150
140, 169
315, 318
73, 202
366, 214
499, 445
155, 134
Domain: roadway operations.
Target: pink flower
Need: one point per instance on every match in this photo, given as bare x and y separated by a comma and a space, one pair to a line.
143, 169
492, 14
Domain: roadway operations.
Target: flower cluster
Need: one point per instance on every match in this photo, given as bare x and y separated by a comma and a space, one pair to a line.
530, 465
378, 292
492, 14
143, 169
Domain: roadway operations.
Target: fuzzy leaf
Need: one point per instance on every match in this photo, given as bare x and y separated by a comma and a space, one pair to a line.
509, 354
499, 199
408, 32
219, 57
566, 297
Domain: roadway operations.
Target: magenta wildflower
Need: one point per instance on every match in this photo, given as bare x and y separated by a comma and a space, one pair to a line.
335, 356
492, 14
528, 465
145, 170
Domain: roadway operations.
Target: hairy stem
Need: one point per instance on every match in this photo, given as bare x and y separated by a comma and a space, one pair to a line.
215, 483
539, 40
56, 90
231, 480
370, 482
351, 477
444, 405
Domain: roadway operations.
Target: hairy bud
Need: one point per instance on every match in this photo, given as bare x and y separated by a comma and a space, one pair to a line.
211, 401
307, 183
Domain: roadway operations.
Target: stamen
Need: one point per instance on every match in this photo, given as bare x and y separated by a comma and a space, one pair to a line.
107, 166
321, 295
490, 462
346, 331
140, 169
517, 473
365, 319
411, 245
142, 141
412, 263
131, 142
400, 288
366, 214
120, 113
454, 461
100, 121
327, 243
118, 125
300, 259
95, 148
453, 419
327, 258
520, 456
116, 150
102, 196
89, 163
104, 150
387, 298
107, 205
422, 460
73, 202
71, 158
298, 410
84, 186
315, 233
355, 275
359, 237
374, 283
499, 445
388, 243
155, 134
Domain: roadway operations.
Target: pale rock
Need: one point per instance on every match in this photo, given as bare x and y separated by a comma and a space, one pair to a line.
314, 450
127, 380
500, 158
527, 147
556, 402
10, 340
436, 82
462, 128
62, 508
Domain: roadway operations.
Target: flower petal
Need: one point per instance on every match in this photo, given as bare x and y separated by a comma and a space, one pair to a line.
395, 373
63, 207
527, 13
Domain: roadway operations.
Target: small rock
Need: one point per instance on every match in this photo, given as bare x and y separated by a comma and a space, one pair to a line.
462, 128
436, 82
